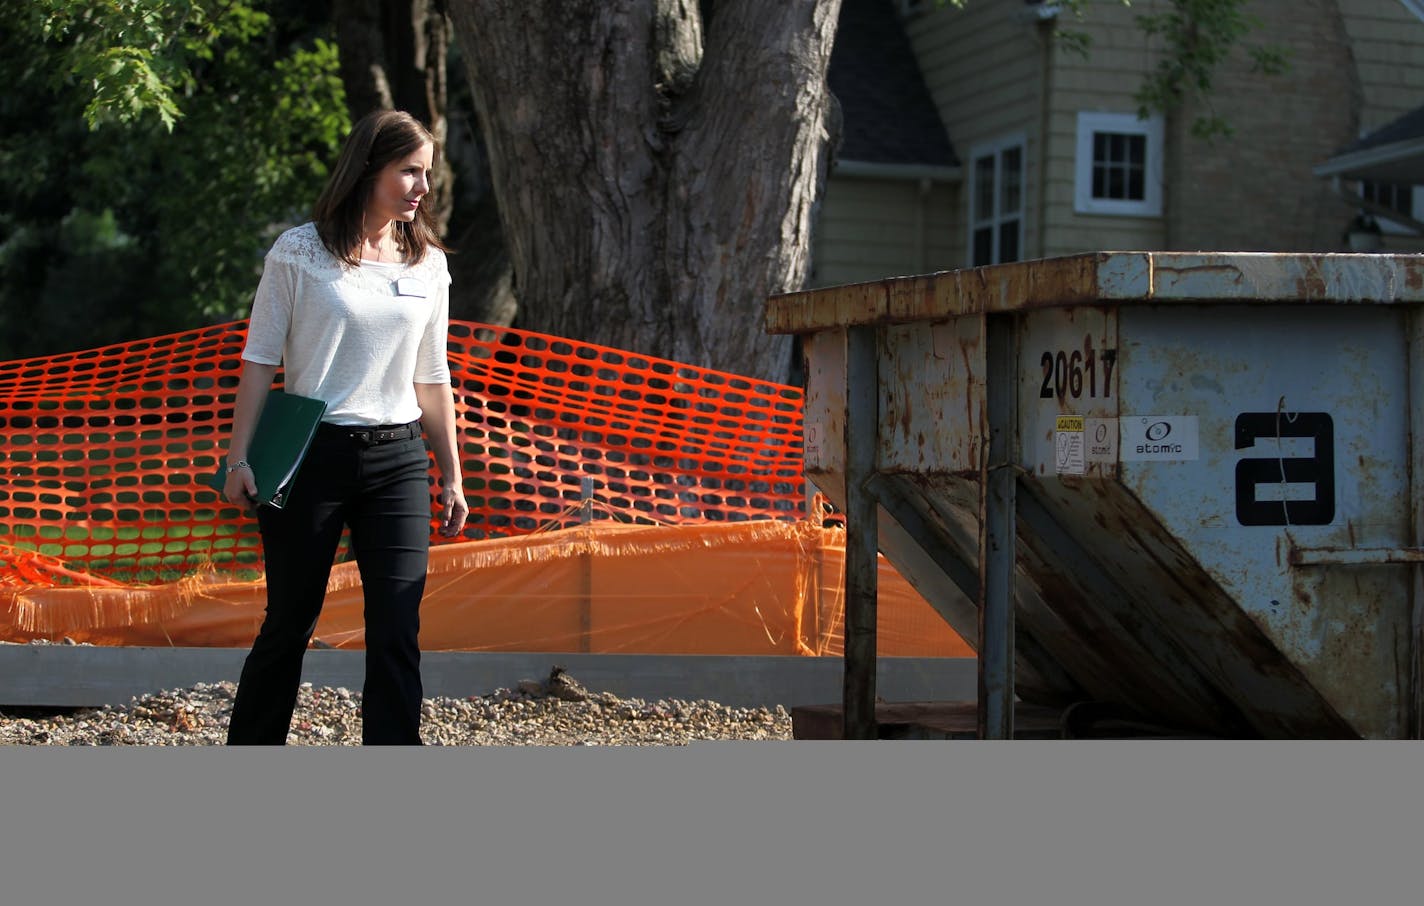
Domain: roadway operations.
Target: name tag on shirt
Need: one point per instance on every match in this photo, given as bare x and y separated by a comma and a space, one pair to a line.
411, 286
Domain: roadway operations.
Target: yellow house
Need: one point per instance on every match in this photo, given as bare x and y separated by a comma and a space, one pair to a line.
1049, 156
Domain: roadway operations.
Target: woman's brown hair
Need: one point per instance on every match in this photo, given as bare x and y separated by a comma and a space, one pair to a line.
377, 139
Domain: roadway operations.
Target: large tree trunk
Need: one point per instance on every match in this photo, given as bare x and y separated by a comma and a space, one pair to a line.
655, 173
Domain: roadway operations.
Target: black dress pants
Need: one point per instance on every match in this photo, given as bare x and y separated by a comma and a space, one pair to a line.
382, 492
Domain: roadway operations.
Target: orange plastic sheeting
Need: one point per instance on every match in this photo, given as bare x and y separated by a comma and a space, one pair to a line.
104, 451
760, 588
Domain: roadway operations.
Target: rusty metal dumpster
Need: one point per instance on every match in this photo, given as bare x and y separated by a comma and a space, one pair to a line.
1185, 484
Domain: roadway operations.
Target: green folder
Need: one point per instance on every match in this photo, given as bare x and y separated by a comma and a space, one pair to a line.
279, 444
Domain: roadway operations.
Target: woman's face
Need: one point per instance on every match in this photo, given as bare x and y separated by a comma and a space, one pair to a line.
399, 187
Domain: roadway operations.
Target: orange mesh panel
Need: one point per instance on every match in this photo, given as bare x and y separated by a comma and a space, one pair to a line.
105, 450
660, 441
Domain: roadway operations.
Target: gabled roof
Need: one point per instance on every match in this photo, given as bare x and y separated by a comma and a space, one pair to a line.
1392, 153
889, 118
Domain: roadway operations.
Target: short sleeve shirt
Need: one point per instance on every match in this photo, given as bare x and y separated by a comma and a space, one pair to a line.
358, 338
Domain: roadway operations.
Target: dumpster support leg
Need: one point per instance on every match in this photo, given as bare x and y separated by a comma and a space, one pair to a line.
1414, 371
862, 536
997, 547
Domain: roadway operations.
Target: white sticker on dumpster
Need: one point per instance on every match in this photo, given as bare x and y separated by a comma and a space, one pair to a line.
1068, 445
1159, 438
1100, 436
1079, 442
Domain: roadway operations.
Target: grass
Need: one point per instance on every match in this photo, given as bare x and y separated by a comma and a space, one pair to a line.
145, 554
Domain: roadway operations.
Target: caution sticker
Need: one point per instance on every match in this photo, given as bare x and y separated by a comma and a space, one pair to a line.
1068, 448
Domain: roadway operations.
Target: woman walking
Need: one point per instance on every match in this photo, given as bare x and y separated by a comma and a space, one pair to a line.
354, 306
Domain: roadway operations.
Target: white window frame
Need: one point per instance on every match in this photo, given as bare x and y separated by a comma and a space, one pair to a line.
1090, 123
1042, 9
1416, 211
996, 148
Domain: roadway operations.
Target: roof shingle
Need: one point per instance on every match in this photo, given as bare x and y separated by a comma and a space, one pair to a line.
889, 115
1407, 127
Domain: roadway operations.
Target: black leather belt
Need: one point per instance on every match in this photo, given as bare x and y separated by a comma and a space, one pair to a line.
372, 435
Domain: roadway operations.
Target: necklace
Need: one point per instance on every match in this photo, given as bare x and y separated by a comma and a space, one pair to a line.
386, 250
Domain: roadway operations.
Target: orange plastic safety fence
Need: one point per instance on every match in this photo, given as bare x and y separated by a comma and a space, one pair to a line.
105, 451
664, 441
767, 587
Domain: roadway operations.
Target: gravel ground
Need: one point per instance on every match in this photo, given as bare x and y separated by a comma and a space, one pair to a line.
556, 711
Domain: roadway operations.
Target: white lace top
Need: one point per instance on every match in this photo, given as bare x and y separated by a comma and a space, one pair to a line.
358, 338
